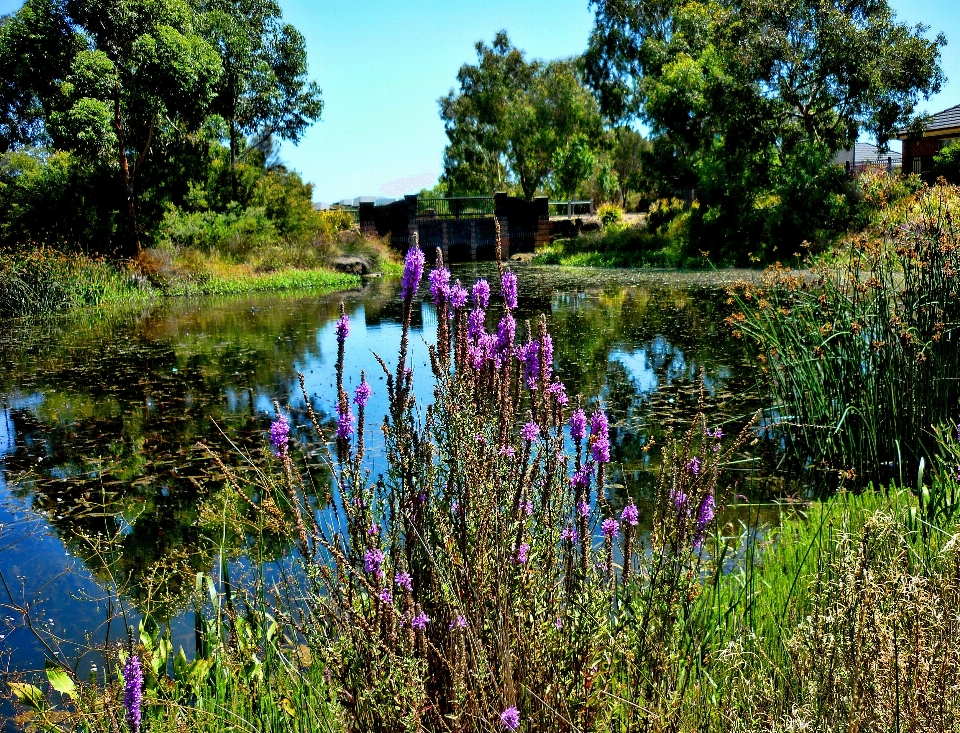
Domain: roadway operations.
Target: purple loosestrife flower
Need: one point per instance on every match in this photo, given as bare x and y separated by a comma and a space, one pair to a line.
440, 285
559, 392
133, 690
481, 294
523, 553
362, 394
280, 436
343, 328
630, 514
599, 424
510, 718
412, 272
581, 478
386, 596
508, 288
458, 623
705, 515
680, 501
528, 508
475, 323
530, 431
569, 533
372, 562
693, 465
584, 508
527, 355
420, 621
344, 423
458, 296
610, 528
558, 624
546, 358
374, 530
600, 450
506, 332
578, 425
404, 580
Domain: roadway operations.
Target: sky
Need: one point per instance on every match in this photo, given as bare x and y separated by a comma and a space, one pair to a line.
383, 64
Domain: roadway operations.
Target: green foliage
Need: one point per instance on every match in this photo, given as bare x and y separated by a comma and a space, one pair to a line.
748, 105
572, 165
509, 120
946, 164
617, 246
610, 216
883, 200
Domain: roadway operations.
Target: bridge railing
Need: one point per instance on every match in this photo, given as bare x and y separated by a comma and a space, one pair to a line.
461, 207
571, 208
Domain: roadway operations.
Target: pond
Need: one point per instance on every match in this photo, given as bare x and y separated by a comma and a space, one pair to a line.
109, 420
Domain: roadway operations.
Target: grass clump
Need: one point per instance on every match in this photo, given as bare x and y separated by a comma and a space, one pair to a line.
44, 281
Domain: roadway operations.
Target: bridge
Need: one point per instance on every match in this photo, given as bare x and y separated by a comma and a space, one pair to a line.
463, 228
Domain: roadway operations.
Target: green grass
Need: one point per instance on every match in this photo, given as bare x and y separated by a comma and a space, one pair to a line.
614, 246
282, 280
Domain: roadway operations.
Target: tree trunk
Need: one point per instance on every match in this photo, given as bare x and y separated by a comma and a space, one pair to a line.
131, 248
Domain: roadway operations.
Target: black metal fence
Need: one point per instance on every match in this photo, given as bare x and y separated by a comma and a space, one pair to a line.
571, 208
462, 207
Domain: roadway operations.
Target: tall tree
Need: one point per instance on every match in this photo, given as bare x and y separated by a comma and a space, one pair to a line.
743, 93
264, 91
108, 80
510, 117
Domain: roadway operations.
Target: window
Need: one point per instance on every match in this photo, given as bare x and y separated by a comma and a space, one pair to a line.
949, 142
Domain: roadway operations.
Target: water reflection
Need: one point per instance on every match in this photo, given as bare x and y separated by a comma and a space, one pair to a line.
105, 414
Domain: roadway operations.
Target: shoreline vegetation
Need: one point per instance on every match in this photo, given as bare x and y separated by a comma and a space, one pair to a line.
487, 580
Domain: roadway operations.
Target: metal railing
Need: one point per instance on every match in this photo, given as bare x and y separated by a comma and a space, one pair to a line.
463, 207
571, 208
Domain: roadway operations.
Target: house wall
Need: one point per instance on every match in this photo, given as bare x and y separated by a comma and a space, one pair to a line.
918, 154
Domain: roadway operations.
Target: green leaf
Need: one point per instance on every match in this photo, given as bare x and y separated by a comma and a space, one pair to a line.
27, 695
60, 680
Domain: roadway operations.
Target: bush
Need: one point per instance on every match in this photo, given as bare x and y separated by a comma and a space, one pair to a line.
610, 215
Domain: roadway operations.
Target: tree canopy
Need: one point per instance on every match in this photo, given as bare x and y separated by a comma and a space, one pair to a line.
510, 118
750, 99
124, 86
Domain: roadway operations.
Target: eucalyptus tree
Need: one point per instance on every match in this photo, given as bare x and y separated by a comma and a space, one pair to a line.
264, 92
510, 117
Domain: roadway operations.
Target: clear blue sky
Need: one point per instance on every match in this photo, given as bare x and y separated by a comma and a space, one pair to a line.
382, 65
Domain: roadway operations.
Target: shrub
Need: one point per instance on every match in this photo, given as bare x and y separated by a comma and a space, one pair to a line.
610, 215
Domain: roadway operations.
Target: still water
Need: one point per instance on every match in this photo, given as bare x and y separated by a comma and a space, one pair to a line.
106, 480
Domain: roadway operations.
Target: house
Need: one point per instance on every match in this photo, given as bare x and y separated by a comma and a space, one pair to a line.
865, 155
919, 147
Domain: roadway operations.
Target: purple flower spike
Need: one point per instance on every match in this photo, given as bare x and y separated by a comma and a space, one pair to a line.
523, 554
610, 528
693, 465
630, 514
458, 296
458, 623
680, 501
546, 358
530, 431
403, 580
362, 394
508, 288
584, 508
481, 294
412, 272
372, 562
344, 424
386, 596
280, 436
705, 514
528, 355
440, 285
570, 533
475, 323
559, 392
133, 691
420, 621
600, 450
343, 328
510, 718
578, 425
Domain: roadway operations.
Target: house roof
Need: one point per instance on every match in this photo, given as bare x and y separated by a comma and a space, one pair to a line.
866, 153
948, 119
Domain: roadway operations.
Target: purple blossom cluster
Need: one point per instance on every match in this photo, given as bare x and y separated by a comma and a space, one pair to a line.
420, 621
510, 718
694, 465
362, 394
386, 596
403, 580
343, 328
569, 533
522, 554
440, 286
559, 392
508, 288
600, 436
412, 272
133, 691
344, 422
373, 562
481, 294
458, 623
280, 436
578, 425
530, 432
458, 296
630, 514
529, 355
705, 514
610, 528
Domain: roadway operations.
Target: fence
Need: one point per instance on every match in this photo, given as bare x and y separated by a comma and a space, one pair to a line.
464, 207
571, 208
